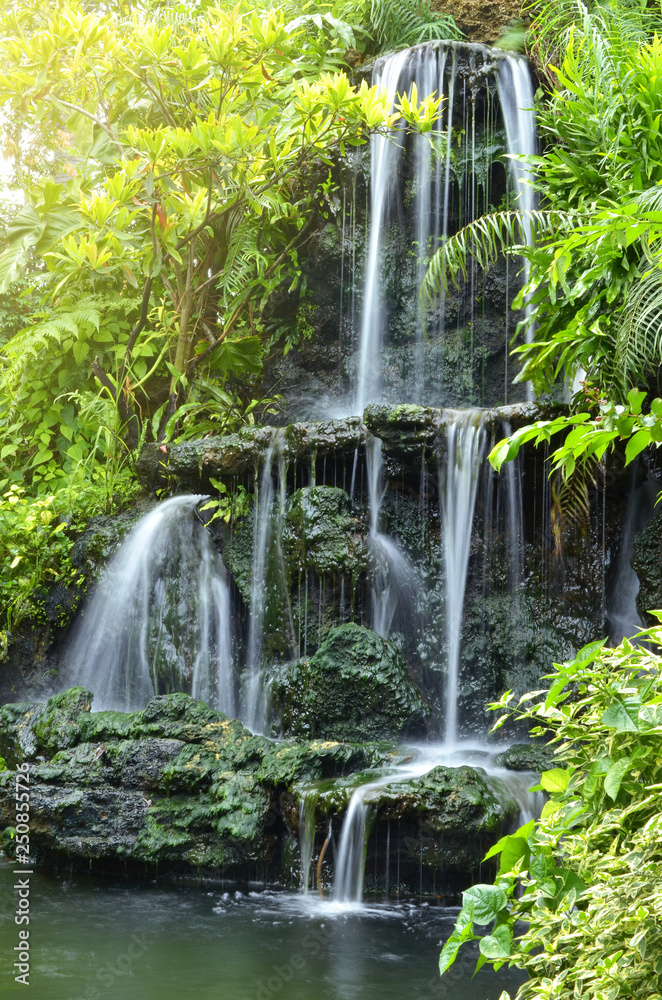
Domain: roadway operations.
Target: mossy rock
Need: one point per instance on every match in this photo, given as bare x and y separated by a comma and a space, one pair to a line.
322, 535
17, 739
57, 726
355, 687
528, 757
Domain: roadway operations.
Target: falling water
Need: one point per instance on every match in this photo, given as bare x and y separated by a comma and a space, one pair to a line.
393, 583
465, 440
624, 619
159, 619
268, 584
516, 95
385, 152
353, 844
451, 186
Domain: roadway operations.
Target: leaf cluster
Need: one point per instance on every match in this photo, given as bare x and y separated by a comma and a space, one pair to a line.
585, 878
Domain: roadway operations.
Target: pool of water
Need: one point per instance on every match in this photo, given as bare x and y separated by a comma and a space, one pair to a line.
91, 939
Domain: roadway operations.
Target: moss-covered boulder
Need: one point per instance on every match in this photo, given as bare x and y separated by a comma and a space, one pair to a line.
17, 738
321, 533
177, 785
445, 818
355, 687
57, 726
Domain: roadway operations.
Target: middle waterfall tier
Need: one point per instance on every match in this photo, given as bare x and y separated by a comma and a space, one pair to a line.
370, 573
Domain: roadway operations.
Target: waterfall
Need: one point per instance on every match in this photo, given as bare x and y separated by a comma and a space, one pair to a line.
385, 152
350, 863
452, 186
464, 448
353, 844
269, 591
623, 617
516, 95
393, 584
159, 618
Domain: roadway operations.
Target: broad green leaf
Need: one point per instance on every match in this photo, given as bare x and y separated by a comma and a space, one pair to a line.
497, 945
621, 719
615, 775
635, 399
487, 900
556, 780
636, 444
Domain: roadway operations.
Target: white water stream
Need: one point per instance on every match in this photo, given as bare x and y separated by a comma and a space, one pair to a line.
159, 618
459, 472
350, 860
435, 69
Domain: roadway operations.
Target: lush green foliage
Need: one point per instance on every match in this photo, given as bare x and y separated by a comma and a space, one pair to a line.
596, 270
397, 23
589, 438
181, 170
36, 537
586, 878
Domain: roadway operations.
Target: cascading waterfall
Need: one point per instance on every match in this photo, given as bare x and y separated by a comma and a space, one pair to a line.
451, 187
462, 456
159, 618
352, 847
516, 96
385, 152
465, 440
624, 619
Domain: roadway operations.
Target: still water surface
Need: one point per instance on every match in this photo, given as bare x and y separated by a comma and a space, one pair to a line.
92, 940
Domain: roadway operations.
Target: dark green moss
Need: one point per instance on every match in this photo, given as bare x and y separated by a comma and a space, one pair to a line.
57, 725
355, 687
322, 535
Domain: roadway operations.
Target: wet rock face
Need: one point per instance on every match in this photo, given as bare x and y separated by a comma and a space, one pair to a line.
647, 564
322, 535
355, 687
176, 784
481, 20
445, 814
534, 757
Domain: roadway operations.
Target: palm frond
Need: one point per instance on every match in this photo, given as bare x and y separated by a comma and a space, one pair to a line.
241, 255
483, 241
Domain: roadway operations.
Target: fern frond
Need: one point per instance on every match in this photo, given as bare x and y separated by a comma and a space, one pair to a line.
483, 241
571, 506
401, 23
638, 347
620, 25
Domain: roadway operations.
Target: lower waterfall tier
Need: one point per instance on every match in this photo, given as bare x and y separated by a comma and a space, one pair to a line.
180, 786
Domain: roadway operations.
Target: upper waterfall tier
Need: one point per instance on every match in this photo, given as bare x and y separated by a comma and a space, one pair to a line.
403, 197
